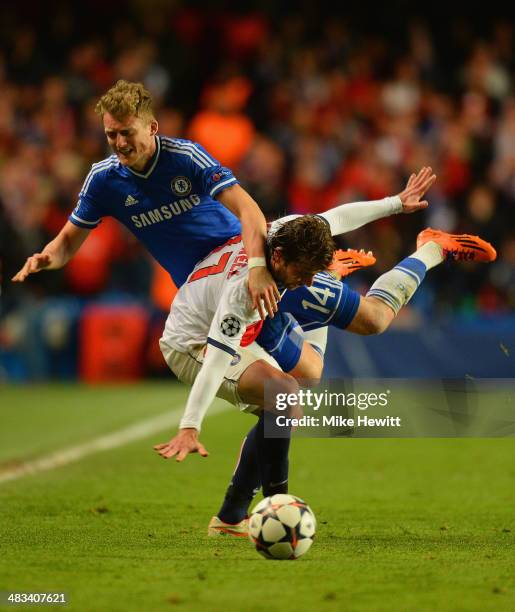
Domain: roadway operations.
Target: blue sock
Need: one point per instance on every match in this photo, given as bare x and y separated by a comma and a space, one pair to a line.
396, 287
245, 483
413, 267
262, 461
272, 458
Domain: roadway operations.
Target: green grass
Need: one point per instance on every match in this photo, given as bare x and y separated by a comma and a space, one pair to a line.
403, 524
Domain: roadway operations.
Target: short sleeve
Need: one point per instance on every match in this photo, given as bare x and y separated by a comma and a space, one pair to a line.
213, 176
88, 212
217, 179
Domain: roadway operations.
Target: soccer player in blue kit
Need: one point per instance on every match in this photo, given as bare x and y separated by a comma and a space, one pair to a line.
170, 193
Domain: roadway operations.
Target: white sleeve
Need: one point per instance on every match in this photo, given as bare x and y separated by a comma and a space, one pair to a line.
207, 383
229, 322
348, 217
275, 225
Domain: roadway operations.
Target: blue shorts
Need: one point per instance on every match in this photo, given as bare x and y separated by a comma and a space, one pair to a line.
282, 338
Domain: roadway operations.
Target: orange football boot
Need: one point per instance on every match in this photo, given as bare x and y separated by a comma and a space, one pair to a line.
349, 261
459, 247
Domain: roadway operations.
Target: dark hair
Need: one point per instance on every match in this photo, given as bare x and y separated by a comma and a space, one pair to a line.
306, 240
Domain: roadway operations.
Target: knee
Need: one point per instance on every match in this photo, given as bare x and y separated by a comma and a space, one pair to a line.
310, 372
375, 326
284, 383
285, 394
377, 317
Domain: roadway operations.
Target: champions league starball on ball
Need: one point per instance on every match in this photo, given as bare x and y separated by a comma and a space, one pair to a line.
282, 527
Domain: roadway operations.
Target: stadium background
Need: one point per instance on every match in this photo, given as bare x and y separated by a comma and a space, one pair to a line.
310, 108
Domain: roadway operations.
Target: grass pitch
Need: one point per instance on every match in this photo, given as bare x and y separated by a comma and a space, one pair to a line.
403, 524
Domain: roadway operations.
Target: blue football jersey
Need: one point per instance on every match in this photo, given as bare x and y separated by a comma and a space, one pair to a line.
171, 207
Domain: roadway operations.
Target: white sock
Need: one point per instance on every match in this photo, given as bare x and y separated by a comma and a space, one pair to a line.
396, 287
430, 254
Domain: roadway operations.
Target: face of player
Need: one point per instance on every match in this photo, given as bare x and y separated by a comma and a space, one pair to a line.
291, 275
132, 139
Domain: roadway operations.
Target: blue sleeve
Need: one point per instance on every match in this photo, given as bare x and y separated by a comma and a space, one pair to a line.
214, 178
88, 212
215, 182
211, 176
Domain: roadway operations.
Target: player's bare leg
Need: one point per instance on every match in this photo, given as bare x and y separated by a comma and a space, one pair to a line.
395, 288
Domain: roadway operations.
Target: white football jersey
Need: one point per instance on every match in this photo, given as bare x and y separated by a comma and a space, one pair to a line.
214, 305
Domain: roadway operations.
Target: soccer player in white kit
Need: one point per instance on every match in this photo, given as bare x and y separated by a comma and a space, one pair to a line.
212, 311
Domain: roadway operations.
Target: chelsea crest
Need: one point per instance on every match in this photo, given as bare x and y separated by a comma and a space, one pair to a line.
181, 186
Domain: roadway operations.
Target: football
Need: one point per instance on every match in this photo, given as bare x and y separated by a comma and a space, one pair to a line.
282, 527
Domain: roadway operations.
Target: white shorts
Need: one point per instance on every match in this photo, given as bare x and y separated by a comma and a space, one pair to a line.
186, 367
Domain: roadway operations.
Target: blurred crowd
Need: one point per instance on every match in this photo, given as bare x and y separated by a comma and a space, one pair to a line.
309, 109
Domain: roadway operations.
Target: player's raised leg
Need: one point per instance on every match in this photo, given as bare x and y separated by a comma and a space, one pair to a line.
395, 288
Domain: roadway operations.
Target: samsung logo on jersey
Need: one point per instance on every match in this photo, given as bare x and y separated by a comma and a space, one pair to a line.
165, 212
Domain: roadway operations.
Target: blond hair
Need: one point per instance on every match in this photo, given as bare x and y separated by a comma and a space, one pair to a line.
125, 99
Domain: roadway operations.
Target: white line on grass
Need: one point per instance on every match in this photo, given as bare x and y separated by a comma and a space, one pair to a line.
116, 439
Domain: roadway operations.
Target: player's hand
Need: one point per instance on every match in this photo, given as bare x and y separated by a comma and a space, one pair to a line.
36, 263
180, 446
415, 189
262, 289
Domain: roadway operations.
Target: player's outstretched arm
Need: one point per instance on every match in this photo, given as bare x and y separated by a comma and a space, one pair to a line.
262, 287
348, 217
202, 393
226, 330
56, 253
